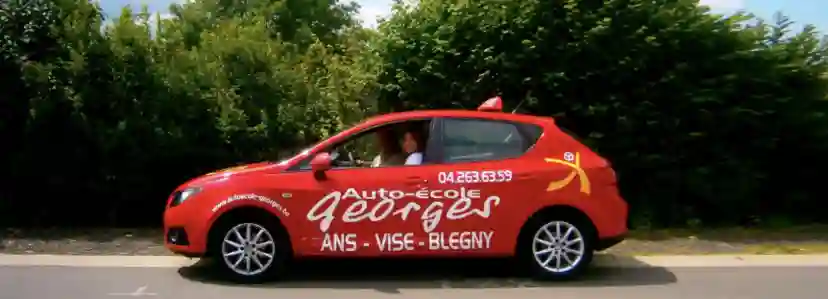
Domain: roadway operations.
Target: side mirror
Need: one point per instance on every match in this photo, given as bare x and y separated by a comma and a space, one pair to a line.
320, 163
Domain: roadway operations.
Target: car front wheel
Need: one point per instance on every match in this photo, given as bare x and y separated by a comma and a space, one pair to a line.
251, 251
558, 249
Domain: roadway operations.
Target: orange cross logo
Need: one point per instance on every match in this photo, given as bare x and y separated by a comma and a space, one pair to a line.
575, 164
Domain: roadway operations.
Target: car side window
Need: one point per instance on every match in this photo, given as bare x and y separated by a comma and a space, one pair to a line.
470, 140
351, 153
378, 147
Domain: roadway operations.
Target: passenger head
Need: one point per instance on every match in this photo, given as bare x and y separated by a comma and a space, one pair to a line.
413, 141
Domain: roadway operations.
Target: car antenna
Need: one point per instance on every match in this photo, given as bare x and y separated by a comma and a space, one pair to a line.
528, 94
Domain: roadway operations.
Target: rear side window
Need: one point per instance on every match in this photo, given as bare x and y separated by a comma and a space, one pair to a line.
469, 140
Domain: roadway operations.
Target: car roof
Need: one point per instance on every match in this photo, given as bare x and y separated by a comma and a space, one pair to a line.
406, 115
379, 120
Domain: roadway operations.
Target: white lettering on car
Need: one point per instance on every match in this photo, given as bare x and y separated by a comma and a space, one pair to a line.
272, 203
407, 241
464, 240
474, 176
339, 242
460, 206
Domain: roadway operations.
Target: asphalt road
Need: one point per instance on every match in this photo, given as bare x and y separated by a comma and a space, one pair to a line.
418, 280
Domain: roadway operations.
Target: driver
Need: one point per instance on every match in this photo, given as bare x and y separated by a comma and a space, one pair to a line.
390, 150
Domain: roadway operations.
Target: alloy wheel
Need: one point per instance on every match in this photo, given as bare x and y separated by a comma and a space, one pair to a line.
248, 249
558, 246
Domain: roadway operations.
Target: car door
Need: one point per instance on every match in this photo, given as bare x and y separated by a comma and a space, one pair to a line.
479, 158
356, 212
360, 211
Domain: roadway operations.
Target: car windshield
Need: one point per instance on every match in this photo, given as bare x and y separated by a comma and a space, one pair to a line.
294, 155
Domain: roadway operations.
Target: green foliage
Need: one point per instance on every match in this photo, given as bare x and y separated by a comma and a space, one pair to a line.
702, 116
109, 116
707, 119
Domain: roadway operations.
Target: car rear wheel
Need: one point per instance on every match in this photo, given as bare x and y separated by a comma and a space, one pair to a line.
558, 248
251, 251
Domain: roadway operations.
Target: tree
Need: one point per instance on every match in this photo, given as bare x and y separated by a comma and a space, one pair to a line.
703, 116
680, 100
99, 106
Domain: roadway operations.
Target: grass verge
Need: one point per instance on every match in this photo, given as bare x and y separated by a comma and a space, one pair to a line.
810, 239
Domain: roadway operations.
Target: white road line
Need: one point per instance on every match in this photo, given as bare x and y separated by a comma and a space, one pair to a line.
126, 261
601, 260
137, 293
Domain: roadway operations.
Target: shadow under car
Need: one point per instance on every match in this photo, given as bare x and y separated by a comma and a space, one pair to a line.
391, 275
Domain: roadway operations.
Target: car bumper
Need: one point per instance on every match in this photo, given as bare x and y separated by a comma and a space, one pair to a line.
607, 242
611, 221
176, 239
184, 234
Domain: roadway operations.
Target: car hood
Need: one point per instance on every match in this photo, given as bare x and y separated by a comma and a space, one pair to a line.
234, 171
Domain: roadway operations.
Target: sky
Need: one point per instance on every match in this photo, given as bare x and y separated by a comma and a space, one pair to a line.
800, 11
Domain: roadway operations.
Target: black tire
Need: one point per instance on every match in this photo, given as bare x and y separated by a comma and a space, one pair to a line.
534, 265
280, 250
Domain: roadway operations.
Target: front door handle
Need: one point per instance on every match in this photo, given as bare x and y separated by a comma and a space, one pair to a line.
415, 180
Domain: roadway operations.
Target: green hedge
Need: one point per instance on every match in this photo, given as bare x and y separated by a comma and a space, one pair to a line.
707, 119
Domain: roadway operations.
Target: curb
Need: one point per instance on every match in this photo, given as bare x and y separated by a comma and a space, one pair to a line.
601, 261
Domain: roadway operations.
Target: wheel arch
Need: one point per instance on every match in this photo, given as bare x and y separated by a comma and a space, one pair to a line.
244, 212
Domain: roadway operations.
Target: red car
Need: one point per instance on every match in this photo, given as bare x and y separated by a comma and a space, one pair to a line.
435, 183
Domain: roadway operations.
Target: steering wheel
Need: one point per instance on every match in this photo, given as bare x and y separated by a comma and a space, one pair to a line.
346, 160
351, 159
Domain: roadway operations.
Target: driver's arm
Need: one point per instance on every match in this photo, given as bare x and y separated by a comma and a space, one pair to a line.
377, 161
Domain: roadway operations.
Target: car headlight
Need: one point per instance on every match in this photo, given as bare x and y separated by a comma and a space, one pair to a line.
181, 195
